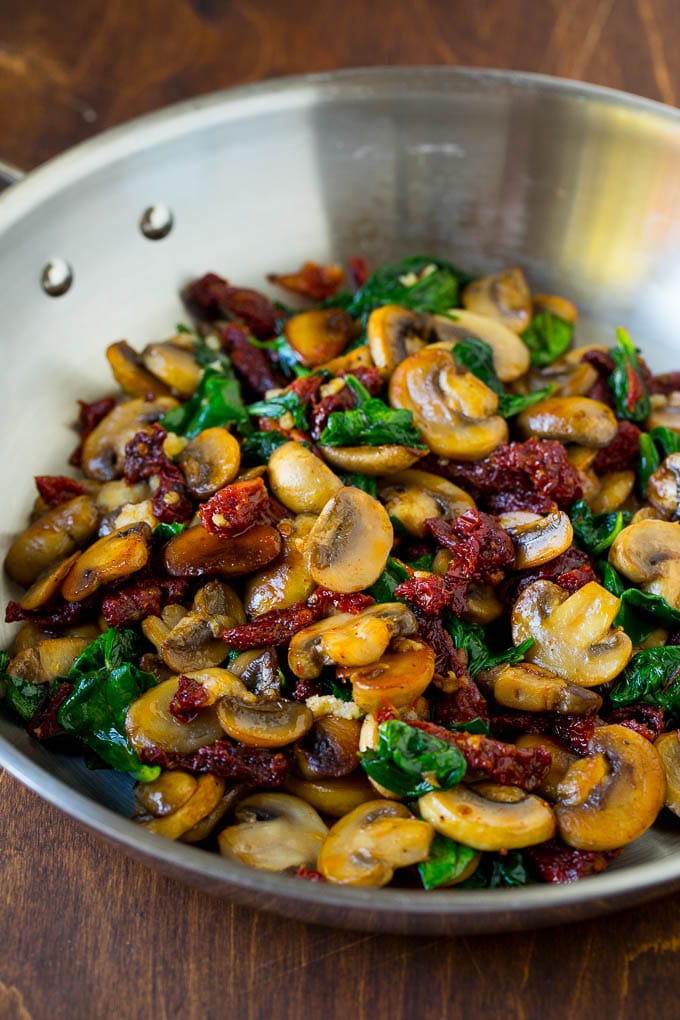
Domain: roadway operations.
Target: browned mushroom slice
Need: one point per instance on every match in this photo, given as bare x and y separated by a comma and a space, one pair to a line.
54, 536
530, 688
319, 335
206, 796
194, 641
210, 461
360, 357
665, 413
150, 724
570, 420
130, 373
197, 553
104, 448
561, 760
393, 334
398, 678
166, 794
648, 554
332, 797
366, 846
117, 555
287, 581
537, 539
371, 460
663, 490
273, 832
559, 306
46, 587
175, 365
573, 634
47, 659
329, 749
504, 296
489, 817
668, 747
349, 639
456, 412
349, 545
608, 800
614, 490
510, 353
300, 480
415, 496
265, 723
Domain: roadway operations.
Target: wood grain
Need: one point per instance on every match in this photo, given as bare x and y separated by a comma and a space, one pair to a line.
87, 933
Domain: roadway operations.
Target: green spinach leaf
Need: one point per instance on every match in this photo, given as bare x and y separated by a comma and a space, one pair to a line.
257, 447
547, 336
447, 861
655, 446
471, 638
370, 423
596, 532
611, 579
497, 870
164, 532
363, 482
217, 401
476, 356
420, 282
20, 695
394, 573
285, 403
642, 612
627, 383
652, 677
410, 762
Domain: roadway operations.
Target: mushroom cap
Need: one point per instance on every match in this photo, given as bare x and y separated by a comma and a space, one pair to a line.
530, 688
570, 420
130, 373
397, 679
371, 460
489, 817
537, 539
393, 334
414, 496
647, 552
618, 800
348, 547
511, 356
104, 448
287, 580
300, 480
266, 723
52, 537
112, 557
668, 747
205, 797
332, 797
319, 335
174, 364
505, 296
210, 461
273, 832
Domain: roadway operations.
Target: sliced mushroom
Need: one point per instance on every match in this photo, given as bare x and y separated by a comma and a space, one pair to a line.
130, 373
259, 670
197, 553
483, 605
456, 412
46, 586
398, 678
510, 353
413, 497
567, 378
319, 335
349, 545
274, 832
54, 536
104, 448
113, 495
531, 688
265, 723
157, 628
332, 797
559, 306
111, 558
668, 748
175, 365
648, 554
206, 796
537, 539
329, 749
663, 487
561, 760
371, 460
164, 795
665, 413
615, 488
366, 846
300, 480
569, 420
489, 817
393, 334
194, 642
504, 296
573, 634
149, 722
356, 639
287, 580
47, 659
210, 461
607, 801
360, 357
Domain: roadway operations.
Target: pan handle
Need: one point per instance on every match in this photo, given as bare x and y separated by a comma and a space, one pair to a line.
9, 174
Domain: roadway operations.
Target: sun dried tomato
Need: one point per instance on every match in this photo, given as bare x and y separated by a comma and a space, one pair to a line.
369, 377
146, 597
312, 280
555, 862
89, 417
251, 363
503, 763
570, 570
428, 594
344, 399
575, 730
211, 297
56, 489
358, 270
507, 724
323, 600
306, 388
254, 766
235, 508
432, 631
623, 451
457, 699
45, 723
666, 383
306, 689
271, 629
145, 458
56, 616
189, 698
647, 720
537, 467
309, 874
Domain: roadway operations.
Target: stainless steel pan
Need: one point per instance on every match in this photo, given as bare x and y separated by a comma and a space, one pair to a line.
579, 185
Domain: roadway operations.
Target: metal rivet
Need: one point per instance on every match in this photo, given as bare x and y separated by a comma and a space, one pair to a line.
156, 222
56, 277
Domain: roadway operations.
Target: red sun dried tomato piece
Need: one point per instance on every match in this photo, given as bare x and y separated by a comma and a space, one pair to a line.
309, 874
623, 451
306, 689
459, 702
212, 297
575, 730
433, 632
369, 377
647, 720
56, 489
45, 723
358, 270
54, 617
428, 594
504, 763
271, 629
344, 399
144, 458
555, 862
507, 724
254, 766
570, 570
189, 698
306, 388
312, 280
322, 600
235, 508
251, 363
146, 597
89, 417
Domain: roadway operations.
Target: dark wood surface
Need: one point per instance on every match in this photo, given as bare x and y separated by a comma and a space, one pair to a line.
87, 933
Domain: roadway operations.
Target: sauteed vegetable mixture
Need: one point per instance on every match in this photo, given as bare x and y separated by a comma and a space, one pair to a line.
386, 589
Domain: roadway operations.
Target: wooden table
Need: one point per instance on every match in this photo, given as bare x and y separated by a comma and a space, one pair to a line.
87, 933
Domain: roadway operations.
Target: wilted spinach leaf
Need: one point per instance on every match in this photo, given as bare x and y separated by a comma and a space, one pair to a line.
446, 862
477, 357
363, 482
284, 403
596, 532
164, 532
547, 336
257, 447
370, 423
410, 762
472, 639
217, 401
652, 677
21, 695
642, 612
394, 573
287, 357
626, 382
420, 282
611, 579
497, 870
